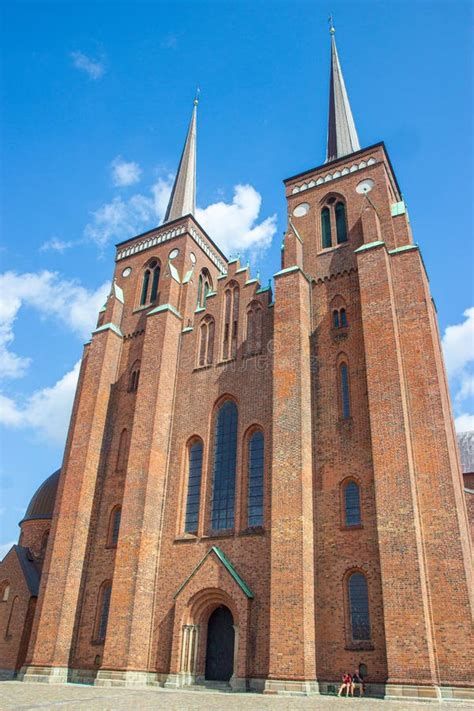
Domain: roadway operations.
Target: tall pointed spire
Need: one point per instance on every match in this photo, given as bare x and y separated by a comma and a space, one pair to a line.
183, 196
342, 134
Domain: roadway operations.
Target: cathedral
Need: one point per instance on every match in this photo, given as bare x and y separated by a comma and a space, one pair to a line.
261, 488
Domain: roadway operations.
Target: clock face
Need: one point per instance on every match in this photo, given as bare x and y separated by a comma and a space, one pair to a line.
301, 210
173, 254
365, 186
192, 257
127, 271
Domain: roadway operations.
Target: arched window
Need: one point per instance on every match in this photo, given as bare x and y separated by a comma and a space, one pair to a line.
151, 274
194, 487
225, 454
204, 287
103, 608
134, 377
326, 227
231, 321
341, 225
122, 453
344, 386
343, 318
114, 526
255, 479
4, 591
206, 342
333, 222
254, 328
351, 504
359, 606
335, 318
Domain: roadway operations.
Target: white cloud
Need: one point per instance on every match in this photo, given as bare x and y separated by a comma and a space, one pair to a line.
458, 347
234, 226
47, 411
120, 219
124, 173
56, 245
4, 548
458, 343
464, 423
50, 296
94, 68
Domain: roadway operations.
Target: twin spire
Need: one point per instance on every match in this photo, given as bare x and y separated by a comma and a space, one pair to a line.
342, 140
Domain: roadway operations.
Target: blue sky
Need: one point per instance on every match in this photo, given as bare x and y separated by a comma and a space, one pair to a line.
96, 100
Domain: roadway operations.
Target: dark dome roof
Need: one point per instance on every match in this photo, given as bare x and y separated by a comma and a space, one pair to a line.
42, 502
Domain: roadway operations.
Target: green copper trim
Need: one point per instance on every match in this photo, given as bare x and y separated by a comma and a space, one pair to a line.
271, 305
211, 293
229, 567
164, 307
187, 329
118, 293
405, 248
104, 308
222, 276
242, 269
263, 289
370, 245
199, 309
109, 327
398, 208
235, 259
251, 281
287, 271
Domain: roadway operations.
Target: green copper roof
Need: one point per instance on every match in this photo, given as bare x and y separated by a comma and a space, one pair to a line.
109, 327
227, 564
370, 245
405, 248
164, 307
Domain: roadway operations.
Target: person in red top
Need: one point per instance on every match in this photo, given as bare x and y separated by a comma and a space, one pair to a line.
346, 684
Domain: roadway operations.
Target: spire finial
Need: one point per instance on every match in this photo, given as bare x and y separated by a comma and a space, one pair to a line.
183, 195
196, 96
342, 134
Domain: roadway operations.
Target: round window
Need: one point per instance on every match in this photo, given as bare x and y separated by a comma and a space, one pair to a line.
173, 254
192, 257
301, 210
127, 271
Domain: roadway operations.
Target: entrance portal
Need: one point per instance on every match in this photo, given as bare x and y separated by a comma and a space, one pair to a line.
220, 645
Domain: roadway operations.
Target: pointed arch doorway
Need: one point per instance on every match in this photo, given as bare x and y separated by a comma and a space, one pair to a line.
220, 645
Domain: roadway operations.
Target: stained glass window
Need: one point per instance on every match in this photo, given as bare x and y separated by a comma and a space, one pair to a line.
225, 453
255, 479
194, 488
359, 607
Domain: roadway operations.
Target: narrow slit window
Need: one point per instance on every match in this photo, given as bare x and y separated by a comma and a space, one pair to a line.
341, 224
255, 479
345, 398
343, 318
104, 611
352, 504
335, 318
154, 284
146, 281
326, 227
359, 607
115, 525
194, 488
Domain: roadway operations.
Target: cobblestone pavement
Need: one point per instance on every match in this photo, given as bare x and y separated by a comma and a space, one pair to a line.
16, 695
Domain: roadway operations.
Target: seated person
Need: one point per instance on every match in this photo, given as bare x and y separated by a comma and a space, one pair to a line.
346, 684
357, 683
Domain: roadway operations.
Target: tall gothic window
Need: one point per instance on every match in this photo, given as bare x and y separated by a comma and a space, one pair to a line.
255, 479
359, 606
206, 341
351, 504
225, 455
103, 611
204, 287
326, 228
194, 487
134, 377
345, 395
151, 278
122, 453
231, 321
333, 223
341, 224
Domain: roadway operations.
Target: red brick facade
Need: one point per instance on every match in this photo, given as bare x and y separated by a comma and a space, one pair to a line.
364, 400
